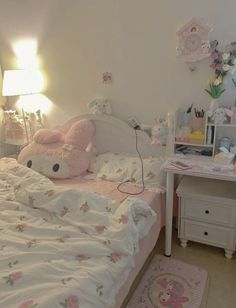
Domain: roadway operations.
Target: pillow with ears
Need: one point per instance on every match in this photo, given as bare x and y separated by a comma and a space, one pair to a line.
58, 155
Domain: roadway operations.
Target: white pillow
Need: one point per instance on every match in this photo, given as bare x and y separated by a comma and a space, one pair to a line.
121, 168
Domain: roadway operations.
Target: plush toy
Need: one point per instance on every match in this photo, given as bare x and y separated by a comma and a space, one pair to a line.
219, 116
160, 131
100, 106
59, 155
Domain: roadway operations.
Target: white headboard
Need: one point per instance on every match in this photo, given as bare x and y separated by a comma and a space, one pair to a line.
115, 135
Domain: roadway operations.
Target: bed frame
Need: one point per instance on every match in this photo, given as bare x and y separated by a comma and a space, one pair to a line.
139, 276
115, 135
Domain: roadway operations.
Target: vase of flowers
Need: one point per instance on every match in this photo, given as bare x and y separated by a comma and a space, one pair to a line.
215, 90
222, 63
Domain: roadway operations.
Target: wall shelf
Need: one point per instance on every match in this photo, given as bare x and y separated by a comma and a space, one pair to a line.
194, 144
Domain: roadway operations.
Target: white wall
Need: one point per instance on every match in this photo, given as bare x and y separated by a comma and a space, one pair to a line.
134, 39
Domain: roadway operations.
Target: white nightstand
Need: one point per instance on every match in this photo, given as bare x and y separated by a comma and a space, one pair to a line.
207, 212
198, 166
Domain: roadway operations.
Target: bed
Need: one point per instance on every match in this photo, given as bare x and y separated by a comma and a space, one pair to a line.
112, 135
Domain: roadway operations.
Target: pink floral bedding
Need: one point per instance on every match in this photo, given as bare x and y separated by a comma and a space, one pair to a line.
64, 247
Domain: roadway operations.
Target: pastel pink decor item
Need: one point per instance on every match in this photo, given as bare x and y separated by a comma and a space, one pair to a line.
60, 155
170, 283
159, 132
46, 135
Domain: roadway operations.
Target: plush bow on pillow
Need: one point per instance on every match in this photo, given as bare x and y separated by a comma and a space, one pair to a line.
59, 155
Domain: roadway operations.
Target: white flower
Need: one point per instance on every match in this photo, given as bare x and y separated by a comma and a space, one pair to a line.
225, 56
226, 67
217, 82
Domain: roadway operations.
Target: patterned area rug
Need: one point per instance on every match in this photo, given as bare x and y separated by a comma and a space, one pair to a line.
170, 283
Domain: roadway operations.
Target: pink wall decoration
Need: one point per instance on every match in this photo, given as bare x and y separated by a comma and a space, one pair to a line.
193, 41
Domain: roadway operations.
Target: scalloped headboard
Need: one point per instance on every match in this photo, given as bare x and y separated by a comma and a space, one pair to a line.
115, 135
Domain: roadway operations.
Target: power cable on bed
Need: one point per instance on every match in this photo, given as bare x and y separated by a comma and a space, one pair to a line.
142, 171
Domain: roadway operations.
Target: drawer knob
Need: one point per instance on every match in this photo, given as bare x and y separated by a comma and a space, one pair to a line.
205, 233
207, 211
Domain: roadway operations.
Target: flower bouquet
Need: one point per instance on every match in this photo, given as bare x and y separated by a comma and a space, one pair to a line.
215, 87
222, 63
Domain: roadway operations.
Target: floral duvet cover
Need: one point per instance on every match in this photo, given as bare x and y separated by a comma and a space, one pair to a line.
63, 247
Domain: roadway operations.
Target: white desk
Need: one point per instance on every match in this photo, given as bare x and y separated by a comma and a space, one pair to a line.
200, 167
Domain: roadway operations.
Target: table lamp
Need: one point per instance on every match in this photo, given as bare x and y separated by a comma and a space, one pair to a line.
21, 83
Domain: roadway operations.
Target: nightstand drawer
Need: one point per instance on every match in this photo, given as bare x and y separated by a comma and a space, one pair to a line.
208, 211
208, 234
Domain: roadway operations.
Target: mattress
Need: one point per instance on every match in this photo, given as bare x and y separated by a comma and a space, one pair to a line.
146, 245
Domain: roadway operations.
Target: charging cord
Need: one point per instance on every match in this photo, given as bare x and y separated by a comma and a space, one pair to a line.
142, 170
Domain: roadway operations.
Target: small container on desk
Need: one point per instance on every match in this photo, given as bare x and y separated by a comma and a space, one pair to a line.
225, 142
197, 137
198, 124
183, 118
199, 120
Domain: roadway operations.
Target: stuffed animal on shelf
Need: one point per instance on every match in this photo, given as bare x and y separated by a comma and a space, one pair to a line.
159, 132
60, 155
100, 106
220, 115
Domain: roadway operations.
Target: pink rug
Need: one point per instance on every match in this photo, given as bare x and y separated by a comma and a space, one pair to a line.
170, 283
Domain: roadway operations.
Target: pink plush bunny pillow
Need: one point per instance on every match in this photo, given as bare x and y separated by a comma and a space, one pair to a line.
58, 155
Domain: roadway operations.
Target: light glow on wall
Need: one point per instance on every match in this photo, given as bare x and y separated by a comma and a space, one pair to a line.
34, 102
26, 54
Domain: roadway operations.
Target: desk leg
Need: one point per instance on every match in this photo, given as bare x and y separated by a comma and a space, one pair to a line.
169, 213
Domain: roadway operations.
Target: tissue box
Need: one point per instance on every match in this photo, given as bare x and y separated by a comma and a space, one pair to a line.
224, 158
